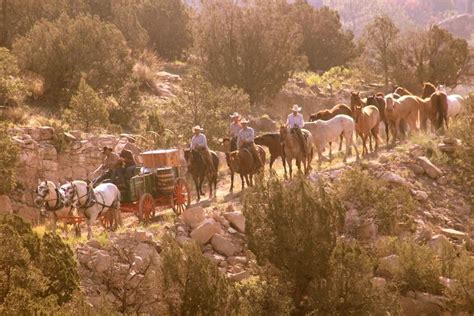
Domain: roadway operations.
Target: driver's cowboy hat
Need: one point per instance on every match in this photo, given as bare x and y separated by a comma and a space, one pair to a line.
235, 115
244, 121
197, 128
296, 108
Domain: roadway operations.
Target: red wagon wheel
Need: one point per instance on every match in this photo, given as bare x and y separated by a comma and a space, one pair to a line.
181, 197
146, 208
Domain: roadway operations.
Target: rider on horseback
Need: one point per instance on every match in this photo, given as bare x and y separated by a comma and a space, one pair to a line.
235, 128
295, 122
245, 140
199, 143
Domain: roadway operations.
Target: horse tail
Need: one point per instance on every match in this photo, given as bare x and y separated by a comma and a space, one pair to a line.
439, 102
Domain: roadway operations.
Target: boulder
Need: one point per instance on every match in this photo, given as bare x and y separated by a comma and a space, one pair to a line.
237, 260
101, 261
143, 236
237, 220
192, 217
430, 169
416, 168
455, 234
93, 243
5, 205
415, 304
223, 246
237, 277
393, 178
378, 283
367, 230
442, 180
351, 222
46, 133
421, 195
388, 266
438, 243
204, 232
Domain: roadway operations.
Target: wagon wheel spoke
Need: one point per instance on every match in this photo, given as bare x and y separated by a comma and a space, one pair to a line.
146, 208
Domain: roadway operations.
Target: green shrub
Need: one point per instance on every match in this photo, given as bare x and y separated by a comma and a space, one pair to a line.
260, 295
37, 275
86, 109
390, 206
419, 269
12, 86
9, 153
294, 228
67, 49
192, 284
348, 289
462, 127
461, 292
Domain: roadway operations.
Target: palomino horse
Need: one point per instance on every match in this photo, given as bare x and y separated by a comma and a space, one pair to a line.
433, 107
93, 202
293, 149
367, 120
328, 114
325, 131
198, 169
405, 109
243, 163
47, 197
273, 142
455, 102
378, 101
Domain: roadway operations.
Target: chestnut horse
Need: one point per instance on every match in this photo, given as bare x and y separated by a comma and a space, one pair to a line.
367, 120
405, 109
243, 163
328, 114
273, 142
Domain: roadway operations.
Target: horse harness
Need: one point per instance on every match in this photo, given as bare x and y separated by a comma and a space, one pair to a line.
91, 200
59, 204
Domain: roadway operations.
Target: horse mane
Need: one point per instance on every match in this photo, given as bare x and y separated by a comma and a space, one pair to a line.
428, 89
402, 91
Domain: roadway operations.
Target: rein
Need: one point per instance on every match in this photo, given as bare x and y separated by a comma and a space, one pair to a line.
56, 206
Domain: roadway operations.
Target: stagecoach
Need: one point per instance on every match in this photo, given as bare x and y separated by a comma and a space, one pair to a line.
160, 182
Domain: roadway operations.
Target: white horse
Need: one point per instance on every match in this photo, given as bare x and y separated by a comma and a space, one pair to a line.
327, 131
47, 197
455, 102
93, 202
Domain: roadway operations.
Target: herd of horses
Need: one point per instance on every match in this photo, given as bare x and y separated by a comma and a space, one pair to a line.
401, 112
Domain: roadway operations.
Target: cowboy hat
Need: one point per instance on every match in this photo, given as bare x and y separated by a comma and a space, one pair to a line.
197, 127
296, 108
244, 121
234, 115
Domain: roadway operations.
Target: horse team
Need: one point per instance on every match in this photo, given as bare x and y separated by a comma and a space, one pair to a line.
398, 111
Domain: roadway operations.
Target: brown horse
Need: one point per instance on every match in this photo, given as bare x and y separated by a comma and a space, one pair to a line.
273, 142
198, 169
243, 163
435, 106
403, 109
327, 114
293, 149
367, 120
379, 102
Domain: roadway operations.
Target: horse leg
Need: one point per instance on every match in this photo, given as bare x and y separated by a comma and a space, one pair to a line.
386, 131
90, 222
272, 160
375, 134
283, 160
242, 179
231, 181
198, 193
290, 168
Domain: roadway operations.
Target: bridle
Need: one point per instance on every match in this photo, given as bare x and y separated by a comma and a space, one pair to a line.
89, 201
45, 204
